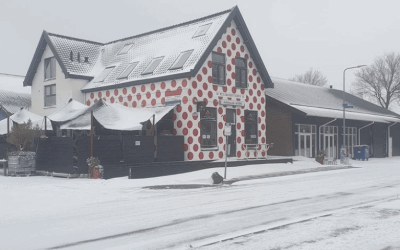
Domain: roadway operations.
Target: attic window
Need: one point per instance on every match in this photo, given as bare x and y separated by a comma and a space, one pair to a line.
202, 30
181, 60
125, 49
128, 70
152, 65
104, 74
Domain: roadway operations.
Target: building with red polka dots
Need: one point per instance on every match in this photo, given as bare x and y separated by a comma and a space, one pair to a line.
209, 69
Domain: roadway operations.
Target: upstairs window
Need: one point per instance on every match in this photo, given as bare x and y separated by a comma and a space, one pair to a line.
50, 95
50, 68
152, 65
125, 49
181, 60
250, 126
202, 30
128, 70
103, 75
240, 73
208, 125
218, 68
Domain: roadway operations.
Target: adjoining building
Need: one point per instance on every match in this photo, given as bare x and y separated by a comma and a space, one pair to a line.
208, 68
303, 119
12, 95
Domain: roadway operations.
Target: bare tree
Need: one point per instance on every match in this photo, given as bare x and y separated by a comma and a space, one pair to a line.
312, 77
379, 82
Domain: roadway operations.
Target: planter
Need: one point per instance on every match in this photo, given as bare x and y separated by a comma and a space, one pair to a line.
21, 163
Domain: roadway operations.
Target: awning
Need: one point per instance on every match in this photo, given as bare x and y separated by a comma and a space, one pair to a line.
334, 113
110, 116
22, 116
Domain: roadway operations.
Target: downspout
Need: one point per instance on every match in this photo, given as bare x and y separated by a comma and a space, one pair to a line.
389, 137
359, 132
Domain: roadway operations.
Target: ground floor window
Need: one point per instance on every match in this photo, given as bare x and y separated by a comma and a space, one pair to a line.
328, 141
305, 140
208, 127
250, 126
350, 139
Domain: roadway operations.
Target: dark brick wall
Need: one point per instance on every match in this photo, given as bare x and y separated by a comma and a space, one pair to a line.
279, 128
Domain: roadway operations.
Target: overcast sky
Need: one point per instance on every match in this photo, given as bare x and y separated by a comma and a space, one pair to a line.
291, 36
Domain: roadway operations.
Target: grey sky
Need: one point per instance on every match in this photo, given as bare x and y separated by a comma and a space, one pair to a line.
291, 36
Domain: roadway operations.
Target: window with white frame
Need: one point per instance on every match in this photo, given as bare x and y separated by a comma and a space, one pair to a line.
50, 95
50, 68
305, 140
208, 126
251, 127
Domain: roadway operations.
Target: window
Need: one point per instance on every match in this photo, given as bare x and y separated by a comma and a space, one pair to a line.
152, 65
202, 30
208, 126
50, 95
218, 68
50, 68
125, 49
128, 70
240, 73
104, 74
182, 58
250, 126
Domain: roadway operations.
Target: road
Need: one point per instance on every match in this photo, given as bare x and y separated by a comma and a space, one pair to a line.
120, 217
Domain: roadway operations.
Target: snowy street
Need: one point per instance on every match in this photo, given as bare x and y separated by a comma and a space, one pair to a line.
355, 208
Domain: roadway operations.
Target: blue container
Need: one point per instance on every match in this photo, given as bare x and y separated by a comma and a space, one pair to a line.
361, 152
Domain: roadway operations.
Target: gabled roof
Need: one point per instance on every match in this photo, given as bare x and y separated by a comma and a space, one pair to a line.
13, 83
326, 102
168, 43
11, 102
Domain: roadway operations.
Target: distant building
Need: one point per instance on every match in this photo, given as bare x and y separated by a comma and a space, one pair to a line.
13, 96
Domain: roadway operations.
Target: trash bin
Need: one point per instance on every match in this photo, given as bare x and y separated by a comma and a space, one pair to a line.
361, 152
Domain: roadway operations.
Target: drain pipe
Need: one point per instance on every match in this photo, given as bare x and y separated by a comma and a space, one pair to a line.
359, 132
328, 122
389, 137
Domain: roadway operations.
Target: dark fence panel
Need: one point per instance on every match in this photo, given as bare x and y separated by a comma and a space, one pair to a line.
54, 154
108, 149
82, 149
138, 149
170, 148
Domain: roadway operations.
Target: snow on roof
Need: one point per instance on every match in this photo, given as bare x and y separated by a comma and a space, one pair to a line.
110, 116
11, 101
168, 43
22, 116
13, 83
322, 99
332, 113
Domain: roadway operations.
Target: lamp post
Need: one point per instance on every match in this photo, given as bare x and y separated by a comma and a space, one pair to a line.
344, 103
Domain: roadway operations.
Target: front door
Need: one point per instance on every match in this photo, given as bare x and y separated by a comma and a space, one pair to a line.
231, 118
329, 146
306, 145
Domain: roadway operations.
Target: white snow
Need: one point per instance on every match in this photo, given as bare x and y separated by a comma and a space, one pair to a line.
22, 116
45, 212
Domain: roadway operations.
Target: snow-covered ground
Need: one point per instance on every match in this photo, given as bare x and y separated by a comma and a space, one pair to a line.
356, 208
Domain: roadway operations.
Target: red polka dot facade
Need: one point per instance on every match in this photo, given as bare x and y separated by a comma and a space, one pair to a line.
191, 90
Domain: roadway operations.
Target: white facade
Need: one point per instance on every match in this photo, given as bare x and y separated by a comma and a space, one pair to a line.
66, 88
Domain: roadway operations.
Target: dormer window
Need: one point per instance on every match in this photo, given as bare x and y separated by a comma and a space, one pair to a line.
181, 60
152, 65
202, 30
50, 68
104, 74
128, 70
125, 49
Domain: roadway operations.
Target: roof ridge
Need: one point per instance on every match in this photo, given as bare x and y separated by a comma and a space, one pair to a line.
173, 26
74, 38
7, 74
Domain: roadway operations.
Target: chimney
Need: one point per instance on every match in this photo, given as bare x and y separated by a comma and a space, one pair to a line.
86, 59
330, 86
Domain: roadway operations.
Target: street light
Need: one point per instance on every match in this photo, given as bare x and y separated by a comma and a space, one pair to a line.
344, 103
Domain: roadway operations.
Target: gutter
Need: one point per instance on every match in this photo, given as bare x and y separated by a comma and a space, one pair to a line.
359, 132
